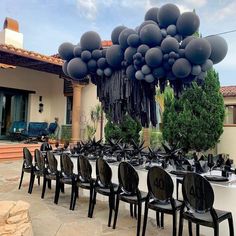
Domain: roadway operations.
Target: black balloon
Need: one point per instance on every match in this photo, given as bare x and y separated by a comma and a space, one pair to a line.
102, 63
188, 23
100, 72
139, 75
96, 54
64, 68
168, 14
124, 36
169, 44
198, 51
146, 70
115, 56
181, 68
149, 78
130, 72
151, 35
151, 14
143, 49
219, 48
77, 51
158, 72
129, 53
133, 40
90, 41
171, 30
116, 33
207, 65
153, 57
147, 22
66, 51
92, 65
104, 52
108, 72
185, 42
77, 69
86, 55
196, 70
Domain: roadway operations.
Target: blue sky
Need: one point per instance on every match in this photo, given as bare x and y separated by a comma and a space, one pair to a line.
47, 23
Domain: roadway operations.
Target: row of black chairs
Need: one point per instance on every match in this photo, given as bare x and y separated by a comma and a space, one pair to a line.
198, 194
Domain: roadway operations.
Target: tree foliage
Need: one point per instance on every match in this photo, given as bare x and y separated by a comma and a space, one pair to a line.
127, 130
196, 118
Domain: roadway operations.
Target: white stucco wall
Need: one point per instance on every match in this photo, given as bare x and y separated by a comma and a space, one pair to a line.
47, 85
11, 37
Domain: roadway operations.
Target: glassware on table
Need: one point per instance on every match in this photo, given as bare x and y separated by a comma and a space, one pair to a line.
210, 162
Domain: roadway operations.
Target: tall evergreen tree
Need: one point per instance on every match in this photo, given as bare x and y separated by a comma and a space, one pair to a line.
196, 118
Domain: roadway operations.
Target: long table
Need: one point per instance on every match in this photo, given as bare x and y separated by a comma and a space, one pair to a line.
225, 194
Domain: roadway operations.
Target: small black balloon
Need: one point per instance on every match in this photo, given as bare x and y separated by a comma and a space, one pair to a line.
77, 51
108, 72
149, 78
153, 57
133, 40
151, 35
96, 54
146, 70
124, 36
102, 63
181, 68
143, 49
169, 44
100, 72
130, 72
171, 30
86, 55
147, 22
92, 65
186, 41
139, 75
66, 51
129, 53
64, 68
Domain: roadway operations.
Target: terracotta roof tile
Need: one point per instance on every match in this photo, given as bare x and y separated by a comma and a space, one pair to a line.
228, 91
30, 54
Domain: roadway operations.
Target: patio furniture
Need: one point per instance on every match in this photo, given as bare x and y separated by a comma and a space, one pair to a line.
199, 199
35, 131
16, 129
84, 180
159, 198
27, 167
104, 186
128, 191
66, 177
51, 128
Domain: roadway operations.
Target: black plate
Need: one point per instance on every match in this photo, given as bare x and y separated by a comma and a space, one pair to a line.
216, 178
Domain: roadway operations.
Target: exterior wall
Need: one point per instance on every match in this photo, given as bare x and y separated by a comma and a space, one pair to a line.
47, 85
89, 100
12, 38
227, 142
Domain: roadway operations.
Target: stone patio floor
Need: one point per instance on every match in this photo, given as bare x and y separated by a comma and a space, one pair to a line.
49, 219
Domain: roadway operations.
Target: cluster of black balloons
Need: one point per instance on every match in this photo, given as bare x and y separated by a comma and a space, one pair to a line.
163, 46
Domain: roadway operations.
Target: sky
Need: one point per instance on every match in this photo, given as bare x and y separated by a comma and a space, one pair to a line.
46, 24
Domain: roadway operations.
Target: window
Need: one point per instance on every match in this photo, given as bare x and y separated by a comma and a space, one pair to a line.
230, 114
69, 106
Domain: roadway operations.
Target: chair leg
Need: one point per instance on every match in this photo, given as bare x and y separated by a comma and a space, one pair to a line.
62, 187
38, 180
162, 220
197, 230
181, 222
139, 218
116, 210
158, 219
93, 202
135, 211
145, 218
49, 184
216, 230
72, 196
131, 209
44, 187
190, 228
231, 226
174, 224
57, 192
31, 183
21, 179
90, 202
110, 210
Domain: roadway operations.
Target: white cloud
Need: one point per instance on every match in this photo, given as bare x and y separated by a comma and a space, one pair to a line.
87, 8
195, 3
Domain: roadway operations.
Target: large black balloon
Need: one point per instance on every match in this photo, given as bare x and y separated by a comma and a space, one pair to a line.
90, 41
198, 50
168, 14
66, 51
181, 68
153, 57
188, 23
151, 14
77, 51
77, 69
115, 56
169, 44
171, 30
116, 33
219, 48
151, 35
124, 36
130, 72
147, 22
129, 53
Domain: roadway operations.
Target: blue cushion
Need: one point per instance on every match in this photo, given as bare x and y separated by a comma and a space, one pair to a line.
17, 126
36, 129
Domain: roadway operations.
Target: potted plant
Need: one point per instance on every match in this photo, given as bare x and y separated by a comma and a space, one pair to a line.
52, 138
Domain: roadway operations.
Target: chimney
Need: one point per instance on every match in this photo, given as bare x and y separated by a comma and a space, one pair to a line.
10, 34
